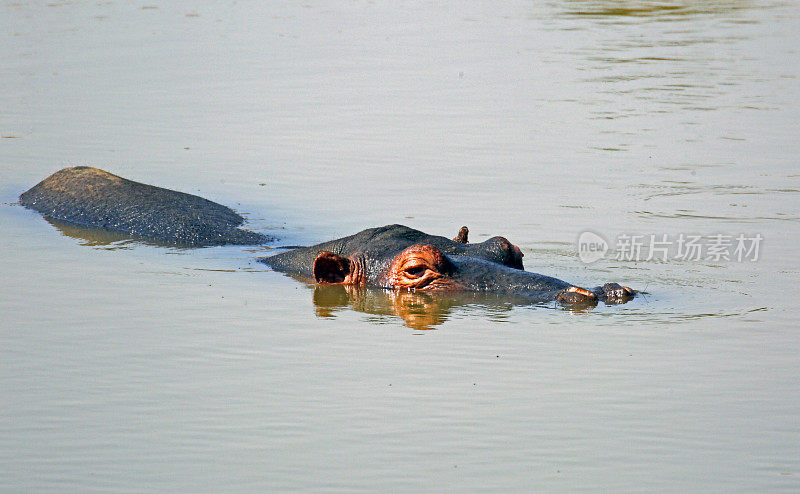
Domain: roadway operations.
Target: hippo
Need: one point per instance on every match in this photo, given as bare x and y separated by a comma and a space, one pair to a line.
393, 257
400, 258
95, 198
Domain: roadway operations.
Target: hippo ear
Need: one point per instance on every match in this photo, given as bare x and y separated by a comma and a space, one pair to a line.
331, 268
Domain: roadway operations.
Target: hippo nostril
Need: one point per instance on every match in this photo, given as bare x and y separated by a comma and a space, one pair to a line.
577, 295
582, 291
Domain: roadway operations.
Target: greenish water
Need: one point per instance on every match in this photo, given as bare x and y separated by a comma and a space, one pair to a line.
128, 367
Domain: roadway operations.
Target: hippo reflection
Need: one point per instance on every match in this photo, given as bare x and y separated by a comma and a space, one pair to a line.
418, 310
403, 259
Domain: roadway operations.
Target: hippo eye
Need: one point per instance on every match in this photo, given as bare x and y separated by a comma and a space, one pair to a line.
416, 271
419, 267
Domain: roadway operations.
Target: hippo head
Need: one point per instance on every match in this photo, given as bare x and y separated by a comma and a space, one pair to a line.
400, 258
419, 267
426, 267
397, 257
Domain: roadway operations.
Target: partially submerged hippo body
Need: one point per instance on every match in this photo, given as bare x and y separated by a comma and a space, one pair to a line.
394, 257
95, 198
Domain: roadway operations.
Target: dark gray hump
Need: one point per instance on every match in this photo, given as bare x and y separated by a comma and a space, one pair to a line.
96, 198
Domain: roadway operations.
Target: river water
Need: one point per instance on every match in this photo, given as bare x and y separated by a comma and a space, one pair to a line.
643, 127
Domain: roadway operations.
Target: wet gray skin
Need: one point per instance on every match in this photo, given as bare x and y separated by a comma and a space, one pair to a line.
95, 198
486, 276
374, 257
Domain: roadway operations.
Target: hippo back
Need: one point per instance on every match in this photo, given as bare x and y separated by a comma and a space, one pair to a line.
92, 197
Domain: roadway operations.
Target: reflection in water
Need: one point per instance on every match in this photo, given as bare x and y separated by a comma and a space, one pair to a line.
423, 310
660, 10
102, 238
93, 237
418, 310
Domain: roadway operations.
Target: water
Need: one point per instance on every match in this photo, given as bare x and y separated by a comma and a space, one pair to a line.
129, 367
